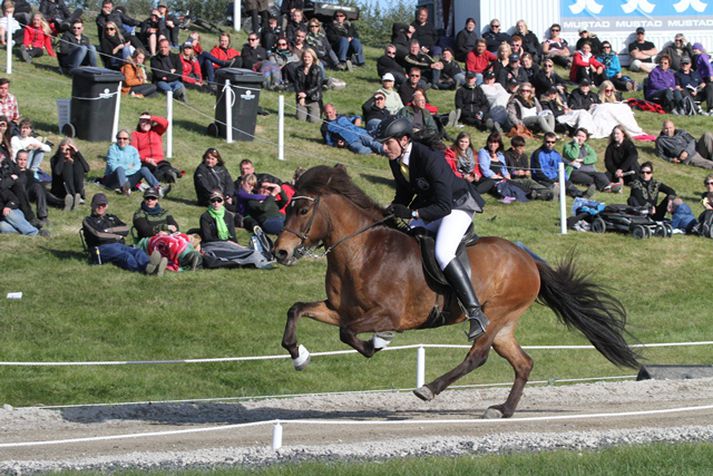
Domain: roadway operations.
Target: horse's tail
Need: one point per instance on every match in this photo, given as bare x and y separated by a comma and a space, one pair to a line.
579, 302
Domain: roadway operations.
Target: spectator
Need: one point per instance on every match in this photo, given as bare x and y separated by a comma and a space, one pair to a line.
212, 175
217, 224
317, 40
612, 69
585, 65
270, 34
583, 98
297, 23
479, 60
556, 49
374, 111
286, 60
661, 87
552, 101
263, 209
148, 140
192, 75
136, 82
25, 141
702, 63
124, 23
12, 220
423, 126
167, 69
221, 56
170, 23
387, 64
645, 191
491, 159
580, 160
75, 49
104, 235
547, 78
610, 112
150, 219
452, 76
676, 51
9, 107
286, 8
642, 53
530, 42
123, 166
425, 33
471, 104
430, 68
308, 88
466, 40
494, 37
525, 110
36, 39
30, 190
515, 70
255, 57
401, 36
544, 163
344, 39
498, 98
516, 45
690, 83
529, 66
621, 158
58, 15
153, 29
586, 37
682, 218
499, 67
461, 159
8, 22
115, 47
300, 45
247, 167
344, 132
519, 166
69, 169
706, 217
393, 101
255, 8
679, 147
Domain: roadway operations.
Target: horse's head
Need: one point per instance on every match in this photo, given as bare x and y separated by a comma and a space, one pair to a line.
304, 228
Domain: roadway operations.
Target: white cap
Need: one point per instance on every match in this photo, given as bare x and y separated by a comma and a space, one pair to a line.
388, 77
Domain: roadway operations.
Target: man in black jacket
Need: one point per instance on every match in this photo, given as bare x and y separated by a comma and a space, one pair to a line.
425, 33
583, 97
167, 69
75, 49
12, 220
431, 196
58, 15
109, 14
472, 104
494, 36
388, 64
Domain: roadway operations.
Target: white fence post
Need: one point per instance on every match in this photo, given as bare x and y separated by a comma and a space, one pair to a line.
237, 16
563, 201
169, 130
228, 113
277, 436
281, 127
117, 112
420, 366
8, 60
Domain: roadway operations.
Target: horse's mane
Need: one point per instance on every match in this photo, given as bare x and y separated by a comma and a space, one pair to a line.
335, 180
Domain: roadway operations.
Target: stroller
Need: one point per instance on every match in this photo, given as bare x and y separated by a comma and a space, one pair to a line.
628, 219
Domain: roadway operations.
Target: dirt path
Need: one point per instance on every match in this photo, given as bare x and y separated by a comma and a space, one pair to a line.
342, 438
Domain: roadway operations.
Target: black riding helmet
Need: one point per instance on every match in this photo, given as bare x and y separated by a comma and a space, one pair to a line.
395, 127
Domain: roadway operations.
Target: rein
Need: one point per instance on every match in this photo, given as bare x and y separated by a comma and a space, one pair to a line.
303, 235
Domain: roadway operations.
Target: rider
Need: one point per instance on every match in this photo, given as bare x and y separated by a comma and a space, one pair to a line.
443, 203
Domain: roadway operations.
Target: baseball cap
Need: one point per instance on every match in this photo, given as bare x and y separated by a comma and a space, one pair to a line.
187, 44
514, 57
99, 199
216, 194
387, 77
698, 46
489, 75
685, 60
585, 82
552, 90
583, 29
640, 30
470, 75
152, 192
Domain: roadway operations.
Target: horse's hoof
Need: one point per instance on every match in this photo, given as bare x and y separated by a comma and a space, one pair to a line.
382, 339
424, 393
302, 359
492, 413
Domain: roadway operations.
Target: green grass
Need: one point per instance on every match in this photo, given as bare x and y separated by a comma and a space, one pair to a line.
72, 311
645, 460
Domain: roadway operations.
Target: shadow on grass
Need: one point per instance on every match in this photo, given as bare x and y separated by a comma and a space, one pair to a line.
193, 126
67, 254
376, 179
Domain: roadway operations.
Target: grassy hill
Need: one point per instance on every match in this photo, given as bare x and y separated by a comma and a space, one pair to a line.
73, 311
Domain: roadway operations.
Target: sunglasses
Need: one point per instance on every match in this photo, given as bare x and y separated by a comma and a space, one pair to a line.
608, 90
391, 53
494, 26
526, 90
555, 29
76, 28
647, 172
606, 47
548, 66
111, 29
709, 183
252, 39
216, 200
151, 199
282, 44
122, 138
415, 75
550, 142
314, 26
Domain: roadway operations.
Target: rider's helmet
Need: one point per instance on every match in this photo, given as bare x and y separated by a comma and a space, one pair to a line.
394, 127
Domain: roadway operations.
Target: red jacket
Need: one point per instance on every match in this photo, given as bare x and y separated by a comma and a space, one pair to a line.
450, 156
224, 55
479, 63
36, 38
149, 144
191, 71
579, 62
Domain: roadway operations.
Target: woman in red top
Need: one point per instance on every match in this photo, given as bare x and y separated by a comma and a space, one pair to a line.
37, 38
191, 69
148, 140
461, 158
586, 66
220, 56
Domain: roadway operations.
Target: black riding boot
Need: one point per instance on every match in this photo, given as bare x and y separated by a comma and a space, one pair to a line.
458, 279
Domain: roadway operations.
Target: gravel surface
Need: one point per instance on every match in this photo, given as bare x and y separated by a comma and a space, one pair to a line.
440, 429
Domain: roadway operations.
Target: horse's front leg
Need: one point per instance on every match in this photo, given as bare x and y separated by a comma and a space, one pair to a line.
319, 311
364, 347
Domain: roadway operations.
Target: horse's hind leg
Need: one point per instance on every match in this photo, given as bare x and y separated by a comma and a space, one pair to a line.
318, 311
508, 348
364, 347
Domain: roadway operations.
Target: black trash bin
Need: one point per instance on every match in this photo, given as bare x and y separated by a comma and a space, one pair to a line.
93, 104
246, 85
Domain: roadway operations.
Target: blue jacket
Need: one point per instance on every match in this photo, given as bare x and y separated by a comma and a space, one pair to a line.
545, 164
343, 127
682, 217
484, 163
611, 61
128, 158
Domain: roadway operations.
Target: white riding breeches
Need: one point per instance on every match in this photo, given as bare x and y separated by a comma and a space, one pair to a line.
449, 232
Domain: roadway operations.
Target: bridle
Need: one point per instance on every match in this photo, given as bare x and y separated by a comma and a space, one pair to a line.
301, 249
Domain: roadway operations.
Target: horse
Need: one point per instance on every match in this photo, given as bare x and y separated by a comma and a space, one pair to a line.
375, 284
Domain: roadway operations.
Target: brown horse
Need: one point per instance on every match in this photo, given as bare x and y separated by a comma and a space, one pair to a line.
375, 284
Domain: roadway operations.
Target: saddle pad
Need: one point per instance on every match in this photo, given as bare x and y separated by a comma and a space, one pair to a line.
434, 276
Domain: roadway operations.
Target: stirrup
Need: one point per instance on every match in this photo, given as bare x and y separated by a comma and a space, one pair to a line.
478, 323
